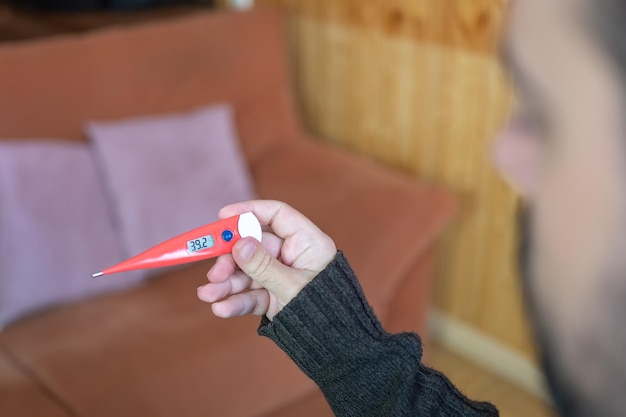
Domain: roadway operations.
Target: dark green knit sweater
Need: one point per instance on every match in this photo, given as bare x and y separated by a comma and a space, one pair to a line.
332, 334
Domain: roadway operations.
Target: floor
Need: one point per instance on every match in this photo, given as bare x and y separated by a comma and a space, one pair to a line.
480, 384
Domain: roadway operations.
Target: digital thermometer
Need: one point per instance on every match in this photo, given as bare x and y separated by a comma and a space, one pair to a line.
205, 242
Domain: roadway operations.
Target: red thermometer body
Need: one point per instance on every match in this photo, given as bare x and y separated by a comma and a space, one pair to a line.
205, 242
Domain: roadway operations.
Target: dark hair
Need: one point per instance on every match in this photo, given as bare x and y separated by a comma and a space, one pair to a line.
606, 20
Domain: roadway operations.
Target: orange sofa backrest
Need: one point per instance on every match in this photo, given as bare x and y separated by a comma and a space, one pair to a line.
50, 87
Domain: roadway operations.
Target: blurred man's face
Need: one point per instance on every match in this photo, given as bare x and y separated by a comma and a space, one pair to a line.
564, 150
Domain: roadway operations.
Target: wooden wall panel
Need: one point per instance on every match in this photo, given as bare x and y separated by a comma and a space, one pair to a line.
416, 84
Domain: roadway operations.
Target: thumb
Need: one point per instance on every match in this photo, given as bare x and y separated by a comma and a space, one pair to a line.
256, 262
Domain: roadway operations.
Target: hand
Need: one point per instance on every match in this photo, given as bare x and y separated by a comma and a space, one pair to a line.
261, 278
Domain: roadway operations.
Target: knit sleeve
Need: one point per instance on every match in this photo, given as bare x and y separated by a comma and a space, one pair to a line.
332, 334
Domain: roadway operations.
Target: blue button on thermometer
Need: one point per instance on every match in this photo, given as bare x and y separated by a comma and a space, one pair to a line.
227, 235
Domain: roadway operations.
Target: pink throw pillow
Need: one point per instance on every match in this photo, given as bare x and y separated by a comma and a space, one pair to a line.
168, 174
56, 228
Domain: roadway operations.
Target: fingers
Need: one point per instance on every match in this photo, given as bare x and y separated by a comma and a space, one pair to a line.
236, 283
306, 246
252, 302
272, 244
293, 252
225, 266
256, 262
282, 218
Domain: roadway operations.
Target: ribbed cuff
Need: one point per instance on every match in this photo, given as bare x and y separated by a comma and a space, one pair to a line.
332, 334
328, 322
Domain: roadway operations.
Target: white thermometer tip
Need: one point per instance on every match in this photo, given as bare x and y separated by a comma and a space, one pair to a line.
97, 274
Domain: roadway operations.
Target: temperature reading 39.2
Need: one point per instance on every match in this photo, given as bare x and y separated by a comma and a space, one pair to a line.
200, 243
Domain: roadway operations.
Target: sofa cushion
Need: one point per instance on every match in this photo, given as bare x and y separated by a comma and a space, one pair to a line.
156, 351
166, 175
56, 228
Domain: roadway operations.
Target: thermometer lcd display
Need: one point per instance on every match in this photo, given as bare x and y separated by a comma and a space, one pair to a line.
200, 243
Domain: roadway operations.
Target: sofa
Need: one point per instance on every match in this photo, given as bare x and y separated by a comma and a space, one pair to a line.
155, 349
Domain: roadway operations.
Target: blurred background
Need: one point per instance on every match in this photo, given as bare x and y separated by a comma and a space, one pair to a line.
415, 85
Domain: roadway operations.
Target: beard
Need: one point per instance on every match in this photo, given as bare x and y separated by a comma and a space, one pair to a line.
564, 379
560, 389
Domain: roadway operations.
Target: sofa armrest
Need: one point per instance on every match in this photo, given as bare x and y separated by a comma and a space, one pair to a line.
384, 222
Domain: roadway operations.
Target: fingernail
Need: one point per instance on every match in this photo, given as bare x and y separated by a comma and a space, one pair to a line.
200, 292
246, 250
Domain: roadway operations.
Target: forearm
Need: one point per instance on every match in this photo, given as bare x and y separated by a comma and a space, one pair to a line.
332, 334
